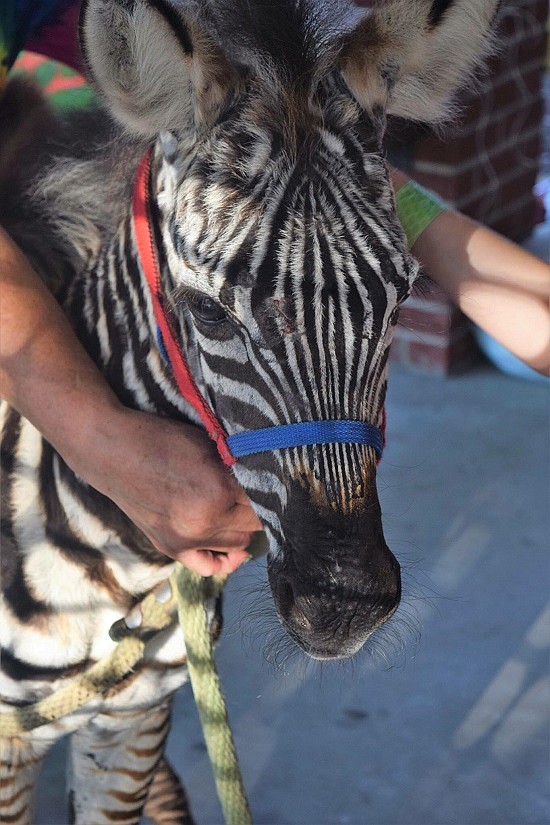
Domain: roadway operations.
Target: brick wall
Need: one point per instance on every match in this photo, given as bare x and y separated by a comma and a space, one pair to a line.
486, 167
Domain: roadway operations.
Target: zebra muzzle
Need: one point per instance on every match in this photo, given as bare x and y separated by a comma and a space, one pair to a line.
335, 581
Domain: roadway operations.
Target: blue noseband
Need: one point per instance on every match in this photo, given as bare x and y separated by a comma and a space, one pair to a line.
304, 433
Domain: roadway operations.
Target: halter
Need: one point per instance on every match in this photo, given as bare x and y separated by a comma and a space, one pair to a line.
248, 442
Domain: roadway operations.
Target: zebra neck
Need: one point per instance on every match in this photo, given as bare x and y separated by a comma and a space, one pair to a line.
110, 308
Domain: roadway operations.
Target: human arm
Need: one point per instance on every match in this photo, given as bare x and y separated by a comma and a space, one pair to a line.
164, 475
501, 287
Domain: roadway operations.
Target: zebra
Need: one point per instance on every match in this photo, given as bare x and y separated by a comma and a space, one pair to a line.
284, 265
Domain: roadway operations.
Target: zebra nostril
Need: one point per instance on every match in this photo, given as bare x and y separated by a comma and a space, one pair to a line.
293, 608
300, 617
285, 595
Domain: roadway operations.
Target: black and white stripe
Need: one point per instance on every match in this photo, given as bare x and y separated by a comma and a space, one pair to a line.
271, 199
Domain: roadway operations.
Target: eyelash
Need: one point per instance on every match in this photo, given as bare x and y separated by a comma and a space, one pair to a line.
206, 309
422, 285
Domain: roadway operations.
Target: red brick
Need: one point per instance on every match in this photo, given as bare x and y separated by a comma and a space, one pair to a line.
524, 47
506, 176
434, 336
442, 360
505, 86
519, 117
508, 16
487, 206
519, 225
463, 145
461, 188
431, 295
445, 186
427, 351
506, 91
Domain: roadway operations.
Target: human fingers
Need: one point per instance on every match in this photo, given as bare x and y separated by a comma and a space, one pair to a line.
208, 562
244, 517
216, 517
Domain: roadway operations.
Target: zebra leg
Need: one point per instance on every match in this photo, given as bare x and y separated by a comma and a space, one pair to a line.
20, 763
113, 760
166, 802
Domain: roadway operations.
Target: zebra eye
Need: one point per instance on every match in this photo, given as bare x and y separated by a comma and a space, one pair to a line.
206, 310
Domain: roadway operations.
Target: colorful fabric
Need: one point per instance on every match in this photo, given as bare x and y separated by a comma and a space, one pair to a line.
22, 19
65, 88
417, 208
50, 26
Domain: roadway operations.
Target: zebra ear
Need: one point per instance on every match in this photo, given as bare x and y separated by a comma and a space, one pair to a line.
154, 65
410, 56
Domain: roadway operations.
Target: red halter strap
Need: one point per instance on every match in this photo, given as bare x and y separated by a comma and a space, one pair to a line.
147, 253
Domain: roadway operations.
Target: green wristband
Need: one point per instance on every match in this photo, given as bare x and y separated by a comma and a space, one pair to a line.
416, 209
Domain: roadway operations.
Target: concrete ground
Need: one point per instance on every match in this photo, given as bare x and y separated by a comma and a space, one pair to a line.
453, 728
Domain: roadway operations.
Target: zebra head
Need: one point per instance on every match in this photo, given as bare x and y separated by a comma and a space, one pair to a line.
281, 250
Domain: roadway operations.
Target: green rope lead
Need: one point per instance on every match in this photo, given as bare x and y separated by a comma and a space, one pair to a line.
193, 593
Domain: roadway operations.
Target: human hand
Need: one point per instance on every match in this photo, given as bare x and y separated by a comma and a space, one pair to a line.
501, 287
166, 476
168, 479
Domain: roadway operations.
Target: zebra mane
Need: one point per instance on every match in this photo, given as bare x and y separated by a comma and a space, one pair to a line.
77, 174
292, 36
72, 182
83, 185
284, 48
86, 187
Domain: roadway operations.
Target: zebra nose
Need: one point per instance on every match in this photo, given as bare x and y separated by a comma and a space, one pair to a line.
293, 607
335, 581
331, 608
